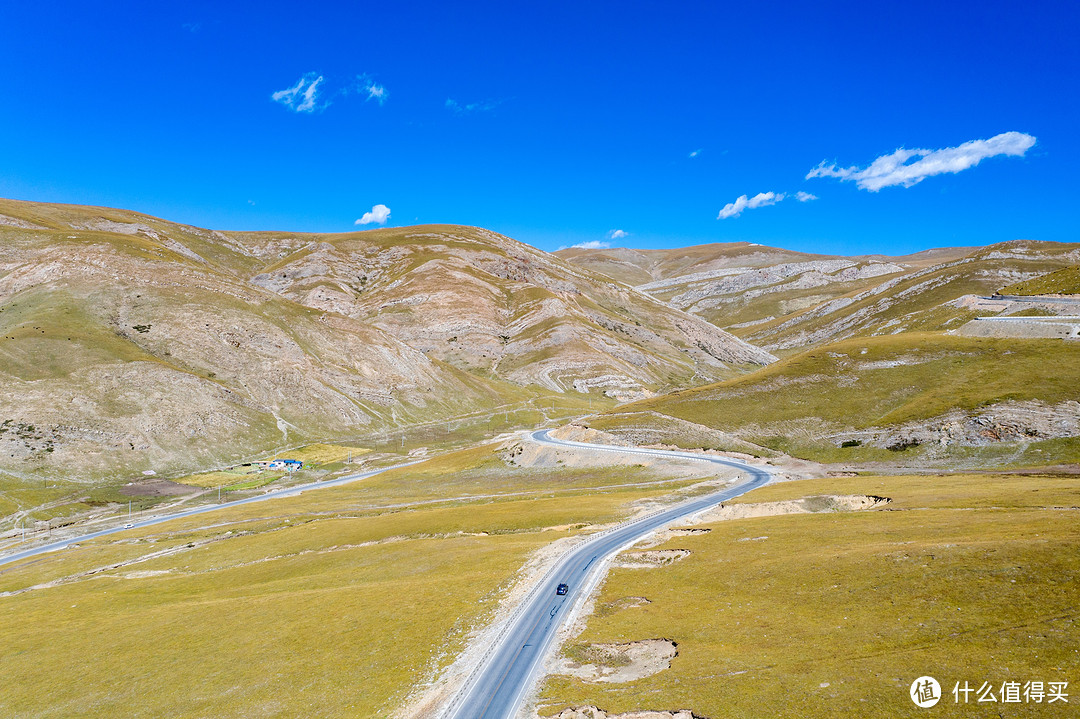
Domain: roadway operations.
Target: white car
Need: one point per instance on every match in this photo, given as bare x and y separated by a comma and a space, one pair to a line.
129, 525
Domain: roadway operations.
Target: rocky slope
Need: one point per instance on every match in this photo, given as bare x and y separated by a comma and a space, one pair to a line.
488, 304
128, 343
918, 399
785, 301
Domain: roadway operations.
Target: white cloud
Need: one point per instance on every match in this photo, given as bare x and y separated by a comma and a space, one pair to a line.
300, 97
617, 234
894, 169
482, 106
379, 215
590, 245
804, 196
374, 91
762, 199
695, 153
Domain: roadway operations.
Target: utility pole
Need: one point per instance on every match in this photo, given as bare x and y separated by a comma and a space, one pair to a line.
129, 509
219, 494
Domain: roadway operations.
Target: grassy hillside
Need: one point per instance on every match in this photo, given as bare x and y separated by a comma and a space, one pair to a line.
1062, 282
130, 344
338, 602
964, 578
894, 398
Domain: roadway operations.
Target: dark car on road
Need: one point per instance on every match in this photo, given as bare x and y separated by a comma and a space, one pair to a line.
562, 589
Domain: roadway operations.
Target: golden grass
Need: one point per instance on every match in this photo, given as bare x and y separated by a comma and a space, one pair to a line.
871, 382
320, 453
962, 578
217, 479
319, 605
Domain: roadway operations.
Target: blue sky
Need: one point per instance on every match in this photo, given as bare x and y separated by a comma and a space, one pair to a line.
557, 123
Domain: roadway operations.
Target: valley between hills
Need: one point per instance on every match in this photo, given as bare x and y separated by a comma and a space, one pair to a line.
919, 415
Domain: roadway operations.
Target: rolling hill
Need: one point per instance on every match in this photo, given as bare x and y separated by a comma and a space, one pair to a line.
129, 343
919, 399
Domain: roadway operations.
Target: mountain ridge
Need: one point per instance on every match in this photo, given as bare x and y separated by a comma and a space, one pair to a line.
133, 344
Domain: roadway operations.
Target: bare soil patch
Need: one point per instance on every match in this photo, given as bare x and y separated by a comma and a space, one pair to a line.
664, 535
154, 487
650, 558
618, 663
591, 712
806, 505
624, 603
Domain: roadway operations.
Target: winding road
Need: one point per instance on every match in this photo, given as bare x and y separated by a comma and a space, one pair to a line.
499, 685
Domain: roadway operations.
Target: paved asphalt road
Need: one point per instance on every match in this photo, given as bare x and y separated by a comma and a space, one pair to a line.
497, 689
290, 492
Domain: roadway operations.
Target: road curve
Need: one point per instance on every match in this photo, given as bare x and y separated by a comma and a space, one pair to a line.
498, 687
273, 494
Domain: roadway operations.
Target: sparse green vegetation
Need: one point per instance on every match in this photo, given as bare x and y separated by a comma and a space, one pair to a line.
960, 577
324, 601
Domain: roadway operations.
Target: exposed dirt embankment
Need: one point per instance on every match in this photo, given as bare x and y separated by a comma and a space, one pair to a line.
520, 453
650, 558
652, 429
616, 663
1030, 421
578, 433
806, 505
594, 713
1032, 328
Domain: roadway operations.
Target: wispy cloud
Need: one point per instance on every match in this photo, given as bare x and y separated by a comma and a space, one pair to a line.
590, 245
694, 153
309, 94
377, 92
302, 96
373, 90
761, 199
895, 168
617, 234
804, 196
379, 215
483, 106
